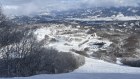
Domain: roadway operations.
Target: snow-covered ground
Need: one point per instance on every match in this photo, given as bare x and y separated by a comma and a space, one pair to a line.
93, 68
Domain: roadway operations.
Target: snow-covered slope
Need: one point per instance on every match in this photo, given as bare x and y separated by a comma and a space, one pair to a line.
99, 66
94, 69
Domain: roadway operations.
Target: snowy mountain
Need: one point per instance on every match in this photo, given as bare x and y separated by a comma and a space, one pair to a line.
85, 43
83, 14
101, 12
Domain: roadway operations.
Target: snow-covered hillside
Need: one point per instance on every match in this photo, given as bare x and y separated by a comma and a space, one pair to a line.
94, 69
68, 38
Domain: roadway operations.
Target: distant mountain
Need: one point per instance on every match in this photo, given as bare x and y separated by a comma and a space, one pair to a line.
100, 12
92, 14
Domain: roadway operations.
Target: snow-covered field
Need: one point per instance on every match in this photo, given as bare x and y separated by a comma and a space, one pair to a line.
93, 68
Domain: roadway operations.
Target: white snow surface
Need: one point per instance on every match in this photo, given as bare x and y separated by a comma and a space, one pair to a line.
40, 33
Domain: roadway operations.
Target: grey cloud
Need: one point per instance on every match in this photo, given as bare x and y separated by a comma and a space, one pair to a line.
25, 7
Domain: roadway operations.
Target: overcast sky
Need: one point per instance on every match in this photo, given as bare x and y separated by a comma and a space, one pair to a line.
25, 7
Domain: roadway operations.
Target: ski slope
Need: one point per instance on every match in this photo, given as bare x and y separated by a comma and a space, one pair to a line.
93, 69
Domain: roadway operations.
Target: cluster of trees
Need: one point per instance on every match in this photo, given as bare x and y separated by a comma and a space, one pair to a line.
28, 58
